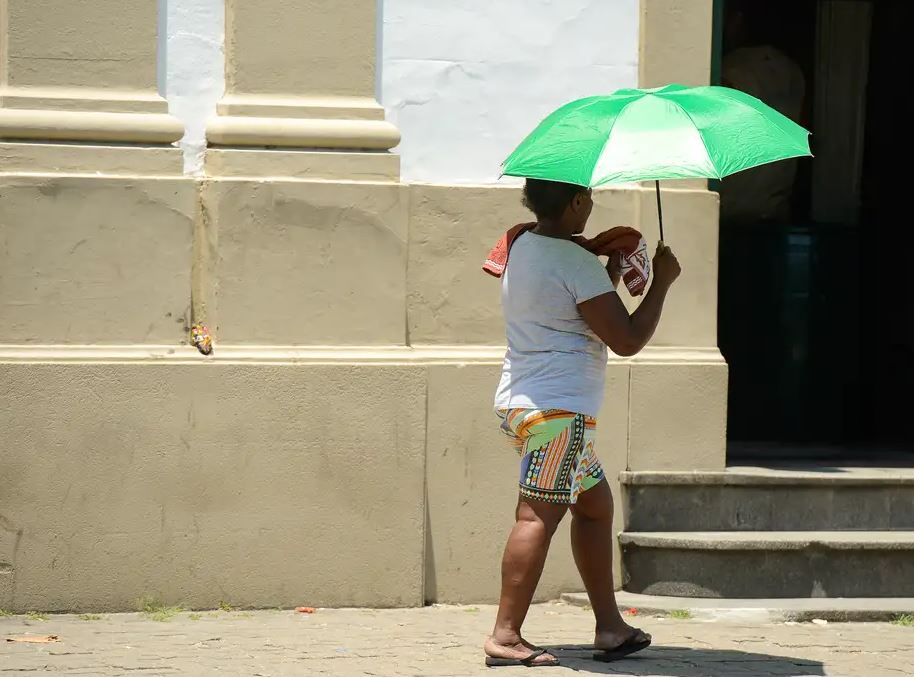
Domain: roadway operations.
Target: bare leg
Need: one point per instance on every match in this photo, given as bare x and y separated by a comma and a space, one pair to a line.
591, 543
521, 568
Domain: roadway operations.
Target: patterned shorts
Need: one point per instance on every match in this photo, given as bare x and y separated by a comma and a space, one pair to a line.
557, 455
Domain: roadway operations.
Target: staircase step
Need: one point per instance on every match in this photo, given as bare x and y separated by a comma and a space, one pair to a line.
760, 499
804, 609
769, 564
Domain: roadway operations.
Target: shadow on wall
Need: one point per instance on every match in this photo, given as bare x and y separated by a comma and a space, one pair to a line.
679, 661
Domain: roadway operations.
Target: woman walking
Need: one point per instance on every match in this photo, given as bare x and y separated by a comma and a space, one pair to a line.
561, 312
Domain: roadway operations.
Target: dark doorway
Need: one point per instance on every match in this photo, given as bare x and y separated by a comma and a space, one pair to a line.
815, 309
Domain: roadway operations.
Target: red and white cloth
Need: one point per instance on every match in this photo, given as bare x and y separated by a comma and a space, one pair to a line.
623, 242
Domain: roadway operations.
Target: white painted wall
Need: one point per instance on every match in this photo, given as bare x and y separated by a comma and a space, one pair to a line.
192, 72
466, 80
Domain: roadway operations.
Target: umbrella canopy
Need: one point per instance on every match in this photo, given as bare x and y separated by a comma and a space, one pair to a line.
671, 132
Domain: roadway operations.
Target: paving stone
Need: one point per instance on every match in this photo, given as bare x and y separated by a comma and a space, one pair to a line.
438, 642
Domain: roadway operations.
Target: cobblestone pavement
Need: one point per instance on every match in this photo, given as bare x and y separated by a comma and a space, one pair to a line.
435, 641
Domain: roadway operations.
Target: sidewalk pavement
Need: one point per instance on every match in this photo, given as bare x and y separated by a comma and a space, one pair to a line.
436, 642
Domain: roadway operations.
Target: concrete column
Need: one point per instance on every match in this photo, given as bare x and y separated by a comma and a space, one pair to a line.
79, 70
301, 74
678, 388
676, 40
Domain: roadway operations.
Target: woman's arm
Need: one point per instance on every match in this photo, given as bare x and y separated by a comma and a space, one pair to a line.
627, 334
614, 268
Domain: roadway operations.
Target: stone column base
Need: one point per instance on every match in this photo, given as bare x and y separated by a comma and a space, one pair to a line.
334, 122
62, 114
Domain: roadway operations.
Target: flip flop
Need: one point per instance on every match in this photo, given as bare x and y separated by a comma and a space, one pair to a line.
527, 662
638, 641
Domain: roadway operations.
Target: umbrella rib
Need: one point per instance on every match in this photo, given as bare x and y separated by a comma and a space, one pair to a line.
609, 134
781, 156
703, 142
585, 103
777, 123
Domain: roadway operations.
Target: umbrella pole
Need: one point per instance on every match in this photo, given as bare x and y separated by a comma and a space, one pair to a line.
659, 209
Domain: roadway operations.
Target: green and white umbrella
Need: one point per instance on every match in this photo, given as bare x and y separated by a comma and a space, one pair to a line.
671, 132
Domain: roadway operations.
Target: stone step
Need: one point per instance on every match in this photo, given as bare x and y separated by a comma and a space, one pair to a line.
795, 609
769, 564
762, 499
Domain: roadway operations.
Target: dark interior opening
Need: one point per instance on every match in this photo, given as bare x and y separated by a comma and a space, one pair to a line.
815, 303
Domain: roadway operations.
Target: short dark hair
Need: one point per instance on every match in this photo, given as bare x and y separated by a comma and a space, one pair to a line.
548, 199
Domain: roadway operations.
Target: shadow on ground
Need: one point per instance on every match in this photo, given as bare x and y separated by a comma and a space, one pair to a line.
680, 661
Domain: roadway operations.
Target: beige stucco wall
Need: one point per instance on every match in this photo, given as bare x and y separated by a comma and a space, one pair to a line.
88, 260
271, 475
267, 44
675, 42
302, 262
253, 478
261, 485
47, 47
678, 410
339, 447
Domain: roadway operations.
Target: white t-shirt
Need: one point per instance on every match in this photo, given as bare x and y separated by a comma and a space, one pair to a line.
554, 360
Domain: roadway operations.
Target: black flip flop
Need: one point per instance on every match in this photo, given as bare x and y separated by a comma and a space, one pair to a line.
527, 662
638, 641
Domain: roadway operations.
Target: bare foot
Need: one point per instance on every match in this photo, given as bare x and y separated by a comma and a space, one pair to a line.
606, 640
517, 650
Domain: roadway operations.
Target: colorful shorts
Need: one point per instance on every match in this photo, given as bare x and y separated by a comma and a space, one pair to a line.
557, 452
